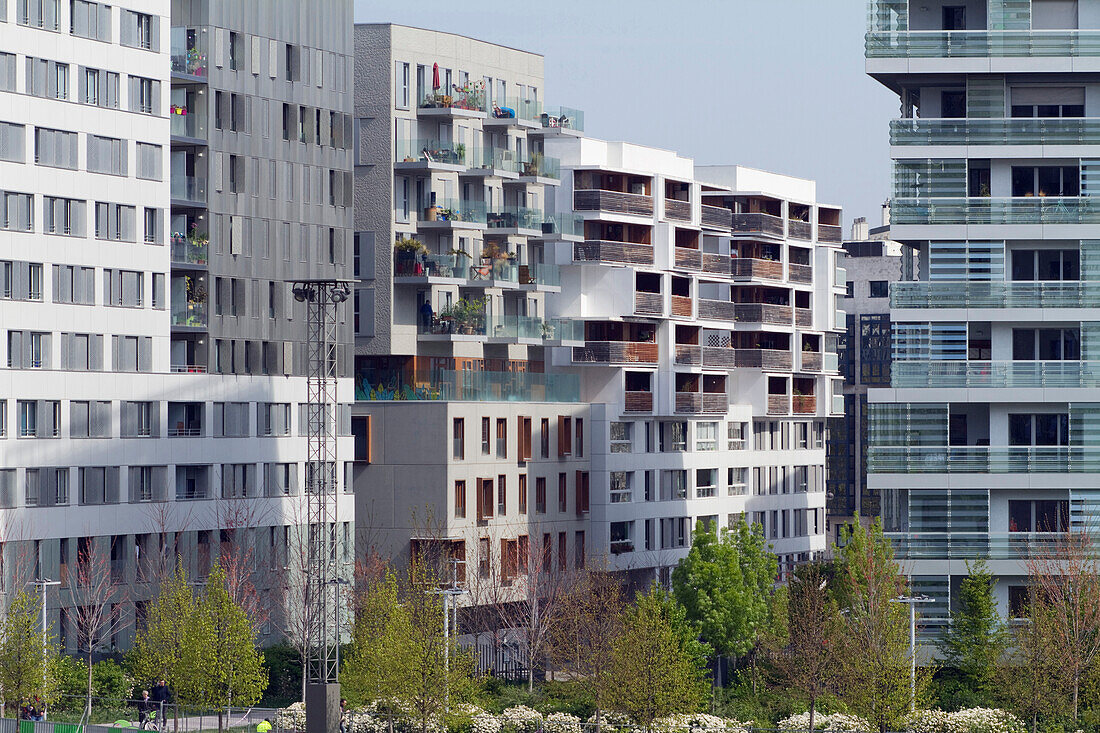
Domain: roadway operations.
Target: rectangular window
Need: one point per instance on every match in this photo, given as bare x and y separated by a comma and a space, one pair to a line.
144, 95
879, 289
139, 30
736, 478
149, 160
580, 437
38, 14
55, 148
502, 495
578, 550
484, 436
523, 439
16, 211
90, 20
563, 495
621, 437
48, 79
460, 499
540, 495
545, 437
706, 483
706, 436
565, 436
621, 486
63, 216
458, 451
523, 493
98, 87
107, 155
12, 141
484, 499
401, 85
563, 558
115, 222
502, 437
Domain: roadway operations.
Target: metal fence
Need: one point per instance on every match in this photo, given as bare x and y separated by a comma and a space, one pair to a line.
69, 716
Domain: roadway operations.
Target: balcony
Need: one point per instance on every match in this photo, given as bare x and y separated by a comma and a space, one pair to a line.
769, 359
468, 101
516, 220
689, 354
681, 306
188, 189
562, 120
493, 161
800, 230
803, 274
1052, 294
829, 233
429, 154
561, 226
615, 352
805, 317
804, 404
716, 217
514, 112
965, 546
475, 386
189, 250
758, 224
505, 328
454, 214
422, 266
649, 304
638, 402
539, 168
539, 275
994, 374
779, 315
618, 202
1029, 210
982, 43
811, 361
748, 267
187, 123
702, 402
188, 53
779, 404
717, 310
1013, 131
838, 404
189, 315
983, 459
626, 253
832, 362
677, 210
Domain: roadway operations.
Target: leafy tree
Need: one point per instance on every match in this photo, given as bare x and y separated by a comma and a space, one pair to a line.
658, 662
160, 643
373, 665
221, 663
726, 585
1033, 677
977, 638
873, 650
807, 661
28, 664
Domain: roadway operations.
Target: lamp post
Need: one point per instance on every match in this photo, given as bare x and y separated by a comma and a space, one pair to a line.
912, 602
42, 584
448, 593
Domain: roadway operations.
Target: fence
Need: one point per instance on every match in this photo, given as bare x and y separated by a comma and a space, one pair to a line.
68, 716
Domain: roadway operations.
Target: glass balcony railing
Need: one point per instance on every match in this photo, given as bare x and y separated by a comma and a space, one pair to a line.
504, 327
831, 362
1011, 131
565, 118
541, 166
981, 43
515, 108
841, 277
189, 250
967, 545
838, 404
407, 264
188, 188
185, 123
455, 210
427, 150
188, 52
1028, 210
983, 459
563, 225
470, 98
470, 386
189, 315
1051, 294
540, 274
982, 374
515, 217
494, 159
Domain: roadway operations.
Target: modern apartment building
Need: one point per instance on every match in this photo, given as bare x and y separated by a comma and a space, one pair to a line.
140, 417
983, 446
872, 261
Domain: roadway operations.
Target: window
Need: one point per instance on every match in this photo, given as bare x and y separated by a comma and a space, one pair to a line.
123, 288
12, 142
563, 561
90, 20
115, 222
580, 437
81, 352
735, 435
16, 211
132, 353
55, 148
149, 159
1038, 516
27, 411
706, 436
98, 87
736, 481
565, 436
139, 30
139, 419
484, 499
7, 71
90, 419
458, 437
3, 418
578, 550
75, 285
502, 437
621, 482
849, 289
460, 499
38, 13
144, 95
235, 51
401, 85
1046, 181
106, 155
523, 438
621, 434
879, 289
1046, 344
48, 79
673, 436
545, 437
540, 495
151, 226
563, 496
523, 493
63, 216
39, 419
484, 436
502, 495
1038, 430
1046, 264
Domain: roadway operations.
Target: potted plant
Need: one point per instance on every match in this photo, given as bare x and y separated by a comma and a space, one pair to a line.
406, 250
533, 165
461, 257
547, 330
460, 153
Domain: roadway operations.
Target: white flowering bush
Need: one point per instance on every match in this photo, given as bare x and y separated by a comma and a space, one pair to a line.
611, 721
834, 723
362, 721
697, 723
972, 720
562, 723
292, 717
521, 719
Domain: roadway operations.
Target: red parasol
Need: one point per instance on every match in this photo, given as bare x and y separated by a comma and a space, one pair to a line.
435, 76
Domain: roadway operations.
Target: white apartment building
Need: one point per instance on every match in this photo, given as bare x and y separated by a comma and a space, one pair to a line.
113, 435
984, 444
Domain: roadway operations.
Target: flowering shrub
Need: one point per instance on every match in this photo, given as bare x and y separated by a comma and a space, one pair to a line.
521, 719
698, 722
562, 723
835, 723
611, 721
292, 717
485, 723
972, 720
361, 721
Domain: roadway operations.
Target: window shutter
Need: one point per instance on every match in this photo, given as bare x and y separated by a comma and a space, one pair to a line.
563, 437
115, 354
46, 351
66, 342
42, 430
219, 47
272, 59
15, 349
255, 43
154, 35
110, 490
95, 347
145, 354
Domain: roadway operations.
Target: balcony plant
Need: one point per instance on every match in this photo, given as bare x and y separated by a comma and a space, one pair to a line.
534, 165
547, 329
461, 257
405, 250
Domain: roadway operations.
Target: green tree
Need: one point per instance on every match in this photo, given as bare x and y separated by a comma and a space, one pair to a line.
222, 665
1034, 677
28, 663
658, 662
873, 650
977, 638
160, 642
726, 584
374, 664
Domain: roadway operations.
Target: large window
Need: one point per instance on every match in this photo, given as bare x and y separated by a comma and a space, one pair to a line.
1046, 264
1038, 430
55, 148
1051, 515
621, 482
1046, 181
1046, 344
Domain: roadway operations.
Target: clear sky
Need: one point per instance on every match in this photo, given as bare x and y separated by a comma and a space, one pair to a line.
773, 84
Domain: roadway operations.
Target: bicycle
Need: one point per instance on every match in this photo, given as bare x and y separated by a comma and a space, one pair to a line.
153, 721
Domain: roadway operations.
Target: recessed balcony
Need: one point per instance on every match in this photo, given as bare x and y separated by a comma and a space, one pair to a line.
716, 217
188, 190
515, 220
616, 352
188, 53
426, 154
759, 224
626, 253
458, 102
190, 250
613, 201
1051, 294
453, 214
748, 268
1026, 210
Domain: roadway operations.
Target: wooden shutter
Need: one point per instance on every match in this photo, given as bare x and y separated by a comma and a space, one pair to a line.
563, 436
523, 426
582, 493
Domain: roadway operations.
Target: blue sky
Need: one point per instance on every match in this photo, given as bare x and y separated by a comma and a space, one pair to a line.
774, 84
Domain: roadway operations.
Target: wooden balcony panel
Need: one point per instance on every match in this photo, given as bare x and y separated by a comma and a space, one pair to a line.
801, 230
758, 224
773, 359
688, 259
638, 402
678, 210
615, 352
811, 361
716, 217
601, 250
649, 304
779, 404
716, 263
688, 354
779, 315
829, 233
614, 201
805, 404
800, 273
748, 267
682, 306
717, 310
804, 317
718, 356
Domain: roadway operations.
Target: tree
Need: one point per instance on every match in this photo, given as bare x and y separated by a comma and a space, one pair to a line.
159, 645
583, 640
98, 596
873, 653
726, 583
28, 663
1066, 583
373, 666
807, 661
223, 666
1033, 676
658, 662
977, 638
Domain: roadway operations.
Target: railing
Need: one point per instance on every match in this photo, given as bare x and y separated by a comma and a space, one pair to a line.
983, 459
428, 150
682, 306
515, 217
758, 224
190, 315
565, 118
1028, 210
840, 277
507, 327
409, 264
689, 354
1053, 294
979, 43
811, 361
521, 109
469, 99
542, 167
454, 210
687, 259
829, 233
1009, 131
188, 252
649, 303
638, 401
838, 404
722, 357
616, 352
188, 61
800, 230
564, 225
679, 210
832, 362
702, 402
776, 359
779, 315
717, 217
538, 273
494, 159
752, 267
594, 199
187, 124
717, 310
992, 374
805, 317
188, 188
800, 273
594, 250
992, 546
779, 404
804, 404
183, 431
716, 263
188, 369
477, 386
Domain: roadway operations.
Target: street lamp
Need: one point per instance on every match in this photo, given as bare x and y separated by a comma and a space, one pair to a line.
42, 584
912, 602
448, 593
